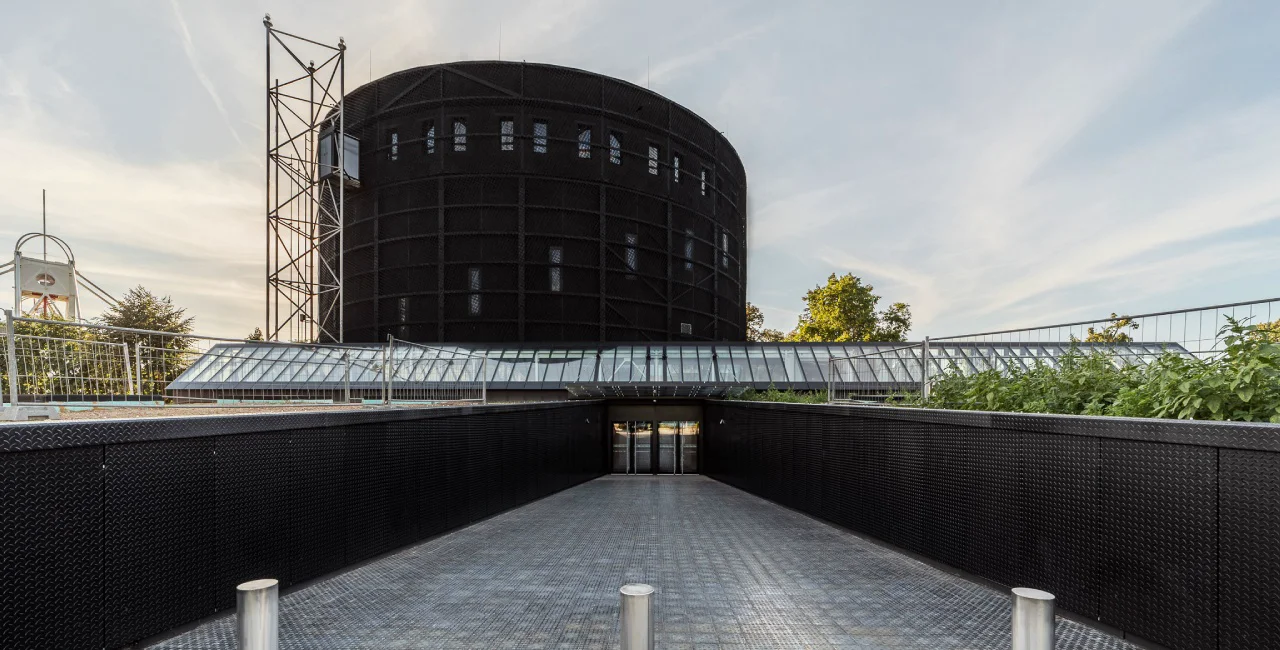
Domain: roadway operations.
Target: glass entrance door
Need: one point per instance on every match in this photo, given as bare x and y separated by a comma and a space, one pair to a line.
621, 448
642, 447
639, 449
688, 449
668, 432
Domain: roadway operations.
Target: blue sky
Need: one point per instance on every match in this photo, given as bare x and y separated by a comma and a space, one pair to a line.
990, 163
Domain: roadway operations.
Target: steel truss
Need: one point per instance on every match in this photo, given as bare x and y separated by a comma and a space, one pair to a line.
304, 205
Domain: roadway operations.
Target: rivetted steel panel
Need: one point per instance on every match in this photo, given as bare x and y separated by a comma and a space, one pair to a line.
995, 504
1249, 534
50, 548
1159, 536
158, 541
1061, 512
254, 538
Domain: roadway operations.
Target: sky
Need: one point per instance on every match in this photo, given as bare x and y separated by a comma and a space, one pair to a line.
993, 164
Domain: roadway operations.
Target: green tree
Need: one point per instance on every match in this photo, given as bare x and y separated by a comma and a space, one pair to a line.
159, 358
845, 310
756, 331
1114, 332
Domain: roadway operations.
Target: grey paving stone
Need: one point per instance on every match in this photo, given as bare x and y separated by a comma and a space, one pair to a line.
731, 571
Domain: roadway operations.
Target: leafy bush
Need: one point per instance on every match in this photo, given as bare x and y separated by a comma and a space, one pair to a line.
772, 394
1242, 383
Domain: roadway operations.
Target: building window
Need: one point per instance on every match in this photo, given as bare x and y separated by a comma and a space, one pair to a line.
402, 308
459, 134
724, 249
653, 160
675, 167
615, 148
556, 255
393, 141
429, 136
631, 251
508, 135
688, 249
584, 141
702, 183
539, 136
473, 279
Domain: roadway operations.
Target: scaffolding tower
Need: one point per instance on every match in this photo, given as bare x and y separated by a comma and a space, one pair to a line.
310, 164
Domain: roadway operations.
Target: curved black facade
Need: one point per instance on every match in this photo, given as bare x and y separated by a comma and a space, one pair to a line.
527, 202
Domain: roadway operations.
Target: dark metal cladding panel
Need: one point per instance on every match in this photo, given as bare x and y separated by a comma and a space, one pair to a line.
945, 535
995, 506
1061, 513
905, 462
255, 496
1157, 573
50, 548
405, 456
1249, 534
158, 541
321, 501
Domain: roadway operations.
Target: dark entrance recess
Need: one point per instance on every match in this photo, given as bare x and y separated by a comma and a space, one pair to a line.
663, 447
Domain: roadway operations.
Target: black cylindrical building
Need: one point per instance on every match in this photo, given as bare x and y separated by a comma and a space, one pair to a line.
527, 202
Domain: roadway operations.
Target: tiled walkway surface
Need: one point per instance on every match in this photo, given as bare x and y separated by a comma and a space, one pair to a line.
731, 570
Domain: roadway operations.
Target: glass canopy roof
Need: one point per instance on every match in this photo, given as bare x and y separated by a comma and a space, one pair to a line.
543, 367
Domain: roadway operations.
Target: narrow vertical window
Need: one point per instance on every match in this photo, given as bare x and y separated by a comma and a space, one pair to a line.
724, 249
508, 135
688, 249
584, 141
702, 183
459, 134
615, 149
675, 167
429, 136
631, 251
653, 160
555, 255
539, 136
402, 308
473, 279
393, 140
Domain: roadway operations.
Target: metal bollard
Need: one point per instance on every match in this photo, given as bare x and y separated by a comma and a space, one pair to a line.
257, 615
1033, 627
635, 619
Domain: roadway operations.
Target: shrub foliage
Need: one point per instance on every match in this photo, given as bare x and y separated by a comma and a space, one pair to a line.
1242, 383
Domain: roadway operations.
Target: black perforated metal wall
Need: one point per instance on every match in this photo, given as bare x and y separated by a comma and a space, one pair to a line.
1165, 530
537, 235
115, 531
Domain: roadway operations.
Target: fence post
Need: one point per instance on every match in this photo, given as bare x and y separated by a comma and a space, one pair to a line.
346, 378
128, 368
924, 372
386, 369
484, 379
257, 615
1032, 619
12, 350
831, 377
635, 618
137, 360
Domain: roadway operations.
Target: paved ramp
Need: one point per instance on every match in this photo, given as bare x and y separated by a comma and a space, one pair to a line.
731, 571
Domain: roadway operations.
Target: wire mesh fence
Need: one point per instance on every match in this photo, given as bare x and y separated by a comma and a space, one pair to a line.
429, 374
90, 364
1124, 340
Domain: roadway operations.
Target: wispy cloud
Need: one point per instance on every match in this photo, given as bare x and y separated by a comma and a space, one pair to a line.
189, 48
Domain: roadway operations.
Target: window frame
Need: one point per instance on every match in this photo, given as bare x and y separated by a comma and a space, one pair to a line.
475, 284
584, 146
555, 273
615, 147
507, 133
543, 140
459, 145
429, 137
393, 144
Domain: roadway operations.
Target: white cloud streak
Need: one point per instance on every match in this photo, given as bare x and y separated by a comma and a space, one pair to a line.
189, 48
